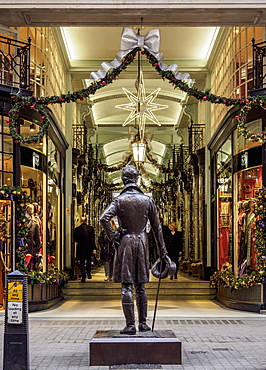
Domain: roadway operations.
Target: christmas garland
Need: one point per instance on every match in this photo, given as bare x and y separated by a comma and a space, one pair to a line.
246, 103
260, 233
39, 104
227, 278
22, 199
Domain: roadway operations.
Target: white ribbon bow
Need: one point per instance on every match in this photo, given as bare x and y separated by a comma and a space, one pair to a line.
129, 41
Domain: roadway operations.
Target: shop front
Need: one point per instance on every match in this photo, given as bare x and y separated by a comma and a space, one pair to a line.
237, 177
33, 171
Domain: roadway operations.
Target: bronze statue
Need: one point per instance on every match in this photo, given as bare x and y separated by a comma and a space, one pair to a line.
131, 262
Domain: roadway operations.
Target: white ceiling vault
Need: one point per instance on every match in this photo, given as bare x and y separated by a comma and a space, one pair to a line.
88, 47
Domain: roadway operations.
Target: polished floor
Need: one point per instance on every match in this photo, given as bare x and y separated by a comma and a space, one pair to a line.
166, 308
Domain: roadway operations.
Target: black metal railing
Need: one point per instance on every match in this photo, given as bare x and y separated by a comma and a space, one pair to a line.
80, 137
259, 64
15, 62
196, 137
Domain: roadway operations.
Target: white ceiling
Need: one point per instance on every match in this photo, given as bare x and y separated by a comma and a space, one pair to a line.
102, 43
88, 47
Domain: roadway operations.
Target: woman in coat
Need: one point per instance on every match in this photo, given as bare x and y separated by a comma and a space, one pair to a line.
174, 247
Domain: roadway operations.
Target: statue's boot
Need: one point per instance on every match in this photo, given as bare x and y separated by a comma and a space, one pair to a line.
142, 311
130, 328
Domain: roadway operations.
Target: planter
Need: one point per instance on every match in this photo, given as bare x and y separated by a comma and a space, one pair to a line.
197, 271
41, 297
186, 267
251, 299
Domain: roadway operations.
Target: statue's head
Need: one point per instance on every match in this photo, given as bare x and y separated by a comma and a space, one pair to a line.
130, 174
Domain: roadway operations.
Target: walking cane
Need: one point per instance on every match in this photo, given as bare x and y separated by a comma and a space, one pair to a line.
157, 295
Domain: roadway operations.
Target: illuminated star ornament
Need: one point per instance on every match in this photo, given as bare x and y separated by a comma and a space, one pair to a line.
141, 106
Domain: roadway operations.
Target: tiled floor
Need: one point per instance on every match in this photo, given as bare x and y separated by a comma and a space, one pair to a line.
212, 336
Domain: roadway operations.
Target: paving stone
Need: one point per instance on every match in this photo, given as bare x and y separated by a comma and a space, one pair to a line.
64, 344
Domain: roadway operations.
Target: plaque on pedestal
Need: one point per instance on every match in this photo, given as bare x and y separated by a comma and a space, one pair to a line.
109, 348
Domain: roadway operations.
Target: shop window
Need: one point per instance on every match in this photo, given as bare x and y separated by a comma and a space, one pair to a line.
248, 179
53, 206
248, 182
29, 128
33, 179
5, 243
6, 155
224, 209
243, 143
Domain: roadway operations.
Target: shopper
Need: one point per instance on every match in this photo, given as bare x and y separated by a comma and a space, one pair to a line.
107, 252
131, 263
166, 232
174, 246
84, 236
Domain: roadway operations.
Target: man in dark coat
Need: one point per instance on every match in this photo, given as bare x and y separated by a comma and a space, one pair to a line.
131, 262
84, 236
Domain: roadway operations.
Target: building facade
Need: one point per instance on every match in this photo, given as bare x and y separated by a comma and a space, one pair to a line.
208, 177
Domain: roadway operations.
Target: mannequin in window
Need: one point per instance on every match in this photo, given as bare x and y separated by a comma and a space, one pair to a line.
249, 234
247, 244
243, 245
33, 237
240, 215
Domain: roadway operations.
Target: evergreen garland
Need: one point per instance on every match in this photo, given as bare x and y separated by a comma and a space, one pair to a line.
39, 104
21, 200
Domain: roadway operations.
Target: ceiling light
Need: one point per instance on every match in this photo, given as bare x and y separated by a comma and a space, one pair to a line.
32, 127
139, 150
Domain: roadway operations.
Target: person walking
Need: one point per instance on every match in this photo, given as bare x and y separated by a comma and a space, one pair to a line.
166, 232
174, 246
84, 236
131, 262
107, 252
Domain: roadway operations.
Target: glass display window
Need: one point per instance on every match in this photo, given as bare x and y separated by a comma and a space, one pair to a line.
248, 182
243, 144
53, 207
224, 205
29, 128
6, 154
5, 235
6, 253
33, 181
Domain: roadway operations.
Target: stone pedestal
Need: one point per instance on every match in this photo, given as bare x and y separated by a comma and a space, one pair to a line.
112, 348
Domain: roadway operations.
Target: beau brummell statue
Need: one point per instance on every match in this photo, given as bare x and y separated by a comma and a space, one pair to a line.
131, 262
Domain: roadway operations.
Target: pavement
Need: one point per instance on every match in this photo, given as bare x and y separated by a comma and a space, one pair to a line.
212, 336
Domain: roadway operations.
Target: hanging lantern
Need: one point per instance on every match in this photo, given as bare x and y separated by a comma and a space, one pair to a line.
139, 150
